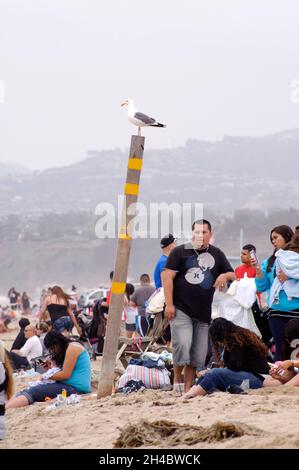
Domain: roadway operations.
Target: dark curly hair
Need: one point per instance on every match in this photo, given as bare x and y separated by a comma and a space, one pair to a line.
57, 344
226, 333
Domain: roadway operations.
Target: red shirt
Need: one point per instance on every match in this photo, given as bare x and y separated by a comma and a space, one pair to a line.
251, 272
241, 270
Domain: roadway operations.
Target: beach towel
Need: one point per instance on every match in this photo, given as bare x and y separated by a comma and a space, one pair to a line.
287, 262
159, 364
164, 356
46, 377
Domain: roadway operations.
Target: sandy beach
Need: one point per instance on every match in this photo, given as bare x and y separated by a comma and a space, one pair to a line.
267, 418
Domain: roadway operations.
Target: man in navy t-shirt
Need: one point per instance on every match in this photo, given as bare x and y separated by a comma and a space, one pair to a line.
192, 273
167, 244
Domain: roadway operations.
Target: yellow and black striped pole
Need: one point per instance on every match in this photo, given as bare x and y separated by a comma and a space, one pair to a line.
131, 191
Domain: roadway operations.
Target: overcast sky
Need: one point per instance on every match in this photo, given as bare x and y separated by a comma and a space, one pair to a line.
206, 68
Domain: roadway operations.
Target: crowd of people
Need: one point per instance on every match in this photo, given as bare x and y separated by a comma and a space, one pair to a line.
12, 307
20, 302
192, 273
207, 355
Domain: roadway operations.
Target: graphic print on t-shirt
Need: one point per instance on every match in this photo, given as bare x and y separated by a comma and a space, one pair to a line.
199, 270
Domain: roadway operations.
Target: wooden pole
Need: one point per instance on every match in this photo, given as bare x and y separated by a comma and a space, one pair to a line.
106, 375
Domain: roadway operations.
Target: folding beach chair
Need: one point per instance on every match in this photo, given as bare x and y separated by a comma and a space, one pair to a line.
134, 347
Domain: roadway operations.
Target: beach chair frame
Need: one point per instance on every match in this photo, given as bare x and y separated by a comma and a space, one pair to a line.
134, 347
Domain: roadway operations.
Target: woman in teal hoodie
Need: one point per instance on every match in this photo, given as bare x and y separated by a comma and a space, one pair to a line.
284, 308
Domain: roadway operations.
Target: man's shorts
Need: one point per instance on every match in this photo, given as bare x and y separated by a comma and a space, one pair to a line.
189, 340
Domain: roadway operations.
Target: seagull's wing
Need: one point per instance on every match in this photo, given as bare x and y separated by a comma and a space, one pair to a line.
144, 118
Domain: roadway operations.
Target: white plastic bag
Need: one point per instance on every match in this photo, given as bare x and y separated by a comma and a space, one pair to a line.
156, 302
235, 305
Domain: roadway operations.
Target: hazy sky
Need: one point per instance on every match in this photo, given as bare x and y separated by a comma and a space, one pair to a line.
206, 68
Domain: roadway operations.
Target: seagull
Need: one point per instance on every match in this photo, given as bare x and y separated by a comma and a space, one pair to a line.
139, 119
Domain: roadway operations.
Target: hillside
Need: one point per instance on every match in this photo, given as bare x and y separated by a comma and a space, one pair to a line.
47, 219
234, 173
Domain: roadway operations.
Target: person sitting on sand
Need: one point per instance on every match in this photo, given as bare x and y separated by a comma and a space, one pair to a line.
244, 357
5, 319
284, 373
75, 376
20, 340
6, 386
42, 330
31, 349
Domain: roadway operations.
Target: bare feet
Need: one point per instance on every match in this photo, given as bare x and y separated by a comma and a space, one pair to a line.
194, 391
178, 389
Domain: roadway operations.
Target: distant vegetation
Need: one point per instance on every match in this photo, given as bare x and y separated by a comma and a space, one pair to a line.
80, 226
47, 218
48, 227
63, 248
256, 223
